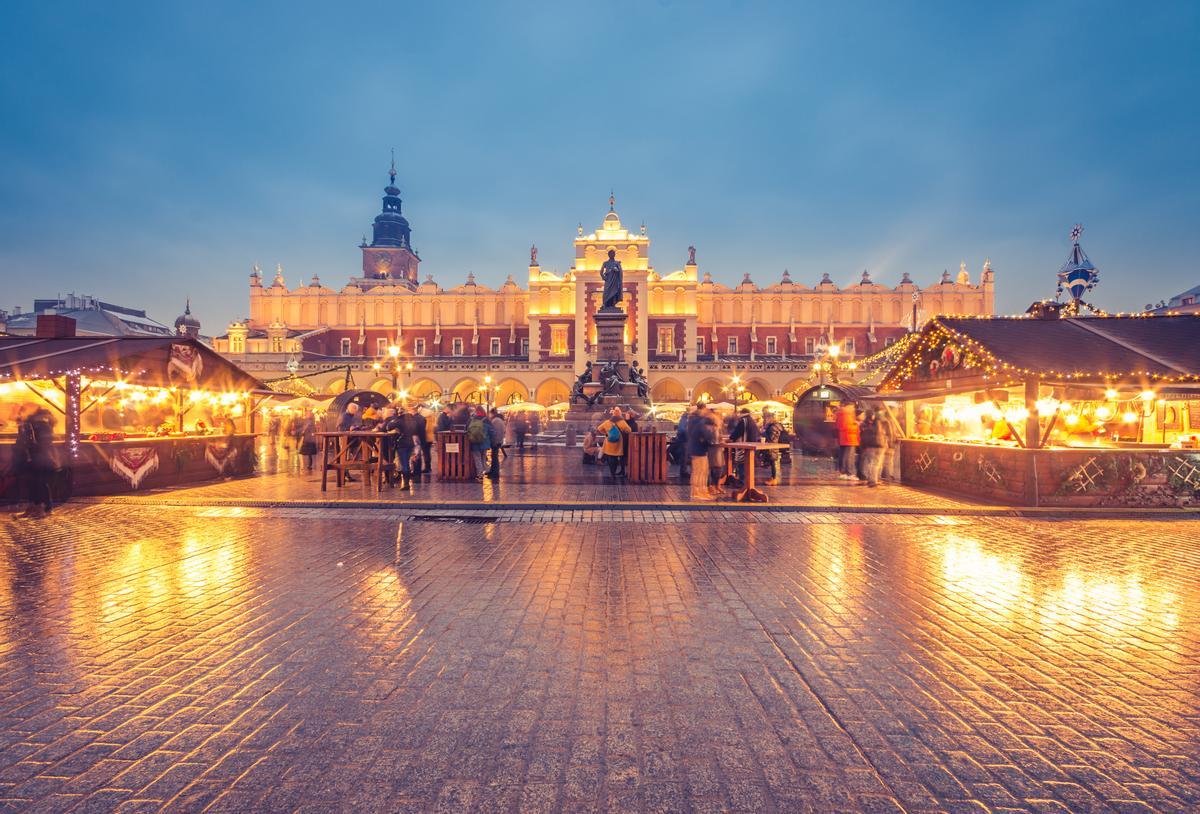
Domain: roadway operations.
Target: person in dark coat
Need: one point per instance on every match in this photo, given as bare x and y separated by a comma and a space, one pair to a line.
701, 436
745, 428
33, 453
411, 431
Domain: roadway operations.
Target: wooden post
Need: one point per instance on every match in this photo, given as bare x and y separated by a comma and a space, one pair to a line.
72, 411
1033, 428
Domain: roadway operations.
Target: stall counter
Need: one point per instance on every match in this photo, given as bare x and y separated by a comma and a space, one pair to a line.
1083, 477
139, 464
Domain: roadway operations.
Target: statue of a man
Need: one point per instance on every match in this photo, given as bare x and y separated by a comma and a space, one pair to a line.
613, 276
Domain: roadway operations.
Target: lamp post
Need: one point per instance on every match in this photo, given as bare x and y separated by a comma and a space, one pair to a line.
831, 365
395, 367
487, 391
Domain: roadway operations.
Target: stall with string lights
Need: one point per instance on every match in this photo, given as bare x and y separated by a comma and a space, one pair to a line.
129, 413
1053, 409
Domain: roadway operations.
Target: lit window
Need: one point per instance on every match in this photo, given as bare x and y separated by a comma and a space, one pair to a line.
731, 345
848, 346
237, 345
495, 346
891, 340
558, 340
525, 346
772, 345
345, 347
419, 347
666, 340
458, 346
276, 344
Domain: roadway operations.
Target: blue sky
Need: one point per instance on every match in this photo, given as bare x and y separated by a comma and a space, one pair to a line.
154, 151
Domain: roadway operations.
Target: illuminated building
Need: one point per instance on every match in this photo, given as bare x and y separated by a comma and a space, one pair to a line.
690, 332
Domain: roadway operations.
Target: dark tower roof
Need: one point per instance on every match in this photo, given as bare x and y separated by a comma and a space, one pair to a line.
186, 320
391, 228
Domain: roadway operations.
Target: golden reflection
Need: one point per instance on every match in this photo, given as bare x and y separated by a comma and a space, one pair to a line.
987, 579
1116, 603
159, 583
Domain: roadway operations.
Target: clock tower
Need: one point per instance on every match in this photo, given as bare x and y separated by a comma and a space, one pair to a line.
390, 257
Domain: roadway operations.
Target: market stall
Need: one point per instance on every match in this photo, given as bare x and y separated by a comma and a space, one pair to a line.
128, 413
1053, 411
815, 414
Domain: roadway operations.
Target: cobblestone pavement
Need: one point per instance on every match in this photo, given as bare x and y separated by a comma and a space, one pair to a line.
263, 660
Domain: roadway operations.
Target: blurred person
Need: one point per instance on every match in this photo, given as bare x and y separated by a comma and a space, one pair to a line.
772, 432
613, 430
847, 430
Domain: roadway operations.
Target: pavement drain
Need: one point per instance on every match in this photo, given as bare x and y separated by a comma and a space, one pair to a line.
452, 518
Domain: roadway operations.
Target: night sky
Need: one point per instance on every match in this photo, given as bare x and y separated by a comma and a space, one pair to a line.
154, 151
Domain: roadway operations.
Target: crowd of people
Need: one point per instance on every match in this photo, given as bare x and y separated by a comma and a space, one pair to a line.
866, 444
697, 448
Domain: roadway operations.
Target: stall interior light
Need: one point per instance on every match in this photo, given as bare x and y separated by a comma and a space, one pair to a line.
1147, 395
1104, 413
1129, 416
1111, 395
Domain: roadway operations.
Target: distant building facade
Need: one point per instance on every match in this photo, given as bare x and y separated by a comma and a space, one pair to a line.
1187, 302
691, 333
93, 317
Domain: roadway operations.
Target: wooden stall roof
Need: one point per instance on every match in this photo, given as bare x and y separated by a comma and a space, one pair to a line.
155, 361
1081, 349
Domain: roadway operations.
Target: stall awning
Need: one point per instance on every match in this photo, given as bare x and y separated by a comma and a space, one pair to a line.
151, 361
1079, 349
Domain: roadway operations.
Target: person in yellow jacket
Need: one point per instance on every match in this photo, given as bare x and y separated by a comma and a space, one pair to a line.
613, 431
427, 441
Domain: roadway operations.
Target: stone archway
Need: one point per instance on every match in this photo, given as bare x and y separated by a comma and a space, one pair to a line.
510, 391
466, 390
714, 389
667, 389
552, 391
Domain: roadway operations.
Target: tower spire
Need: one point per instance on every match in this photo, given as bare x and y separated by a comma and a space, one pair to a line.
392, 171
612, 201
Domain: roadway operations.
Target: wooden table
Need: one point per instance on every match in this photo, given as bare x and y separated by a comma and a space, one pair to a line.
342, 456
749, 494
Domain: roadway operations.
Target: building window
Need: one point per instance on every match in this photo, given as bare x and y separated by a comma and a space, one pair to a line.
700, 345
237, 345
457, 346
276, 344
772, 345
495, 346
848, 346
558, 340
810, 345
731, 345
891, 340
345, 347
419, 347
381, 347
525, 347
666, 340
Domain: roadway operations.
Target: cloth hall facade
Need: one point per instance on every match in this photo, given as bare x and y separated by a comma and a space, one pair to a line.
530, 340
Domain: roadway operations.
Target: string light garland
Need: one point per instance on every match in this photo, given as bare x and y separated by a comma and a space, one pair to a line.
980, 359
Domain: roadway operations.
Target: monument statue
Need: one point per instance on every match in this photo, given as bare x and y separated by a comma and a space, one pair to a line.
533, 256
691, 255
613, 276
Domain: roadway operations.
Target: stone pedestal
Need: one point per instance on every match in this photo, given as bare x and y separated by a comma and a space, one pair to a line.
610, 335
595, 401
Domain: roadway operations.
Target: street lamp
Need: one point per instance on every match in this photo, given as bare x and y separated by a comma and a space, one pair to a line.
392, 360
487, 388
831, 364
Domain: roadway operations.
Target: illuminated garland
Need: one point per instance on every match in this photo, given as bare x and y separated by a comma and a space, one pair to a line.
977, 356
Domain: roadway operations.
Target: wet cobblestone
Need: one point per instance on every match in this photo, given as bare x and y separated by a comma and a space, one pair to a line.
241, 659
